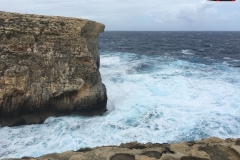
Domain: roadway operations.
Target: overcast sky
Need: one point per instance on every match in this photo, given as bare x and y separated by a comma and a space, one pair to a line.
139, 15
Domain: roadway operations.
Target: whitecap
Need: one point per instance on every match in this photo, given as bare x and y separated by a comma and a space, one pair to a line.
226, 58
187, 52
170, 101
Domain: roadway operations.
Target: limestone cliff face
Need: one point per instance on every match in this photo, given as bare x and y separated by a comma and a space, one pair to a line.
48, 66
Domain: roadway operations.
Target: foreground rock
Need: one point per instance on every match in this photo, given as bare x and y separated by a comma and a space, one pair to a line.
208, 149
48, 66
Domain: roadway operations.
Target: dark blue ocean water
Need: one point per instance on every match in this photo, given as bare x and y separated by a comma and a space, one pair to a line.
162, 87
196, 47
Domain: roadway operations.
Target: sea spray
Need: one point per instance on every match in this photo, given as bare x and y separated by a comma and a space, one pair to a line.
163, 97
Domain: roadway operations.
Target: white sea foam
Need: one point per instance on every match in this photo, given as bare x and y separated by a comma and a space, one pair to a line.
150, 99
227, 58
186, 51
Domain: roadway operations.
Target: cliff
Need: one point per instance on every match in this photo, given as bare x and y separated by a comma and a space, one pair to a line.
208, 149
48, 66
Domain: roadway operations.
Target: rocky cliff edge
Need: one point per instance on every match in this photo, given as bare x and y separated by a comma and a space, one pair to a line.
49, 66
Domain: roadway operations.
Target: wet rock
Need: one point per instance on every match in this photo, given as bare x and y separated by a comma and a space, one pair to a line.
237, 142
154, 154
133, 145
220, 152
84, 150
137, 157
122, 157
192, 158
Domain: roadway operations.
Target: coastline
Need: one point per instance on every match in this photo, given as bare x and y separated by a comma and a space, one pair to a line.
207, 149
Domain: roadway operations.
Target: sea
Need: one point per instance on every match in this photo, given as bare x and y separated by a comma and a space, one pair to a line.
162, 87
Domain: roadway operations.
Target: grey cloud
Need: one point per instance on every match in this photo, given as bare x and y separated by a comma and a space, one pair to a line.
135, 14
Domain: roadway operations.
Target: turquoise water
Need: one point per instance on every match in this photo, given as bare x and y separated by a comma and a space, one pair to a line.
160, 98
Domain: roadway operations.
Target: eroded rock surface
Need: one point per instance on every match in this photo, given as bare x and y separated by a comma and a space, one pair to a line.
208, 149
48, 66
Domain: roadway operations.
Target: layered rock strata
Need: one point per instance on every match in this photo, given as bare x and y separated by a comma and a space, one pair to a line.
48, 66
208, 149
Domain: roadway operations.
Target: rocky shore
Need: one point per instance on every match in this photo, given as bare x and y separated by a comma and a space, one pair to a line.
207, 149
